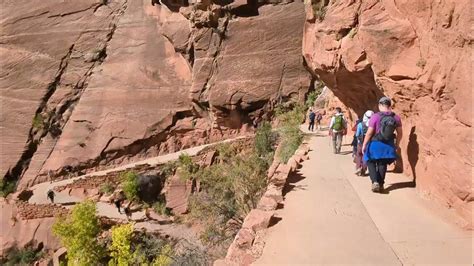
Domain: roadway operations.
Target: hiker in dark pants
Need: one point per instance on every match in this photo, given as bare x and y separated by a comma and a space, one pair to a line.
118, 203
381, 143
312, 117
50, 194
118, 200
128, 212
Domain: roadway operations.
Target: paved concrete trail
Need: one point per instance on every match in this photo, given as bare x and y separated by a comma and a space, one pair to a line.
330, 217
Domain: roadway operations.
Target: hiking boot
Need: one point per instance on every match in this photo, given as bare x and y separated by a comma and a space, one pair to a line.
381, 188
375, 187
358, 172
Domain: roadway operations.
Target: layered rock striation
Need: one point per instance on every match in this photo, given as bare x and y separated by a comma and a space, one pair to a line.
417, 53
86, 84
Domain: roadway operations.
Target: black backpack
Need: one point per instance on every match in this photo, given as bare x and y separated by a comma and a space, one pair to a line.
388, 125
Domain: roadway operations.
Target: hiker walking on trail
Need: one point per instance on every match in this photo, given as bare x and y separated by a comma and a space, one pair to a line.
354, 139
319, 117
128, 212
118, 201
312, 117
361, 131
381, 142
337, 129
50, 194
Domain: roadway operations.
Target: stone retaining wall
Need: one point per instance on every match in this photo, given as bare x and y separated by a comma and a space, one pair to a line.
249, 242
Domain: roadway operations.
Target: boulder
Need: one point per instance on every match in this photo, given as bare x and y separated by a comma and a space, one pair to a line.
273, 167
274, 192
238, 256
150, 186
107, 198
177, 194
257, 219
267, 204
244, 238
279, 179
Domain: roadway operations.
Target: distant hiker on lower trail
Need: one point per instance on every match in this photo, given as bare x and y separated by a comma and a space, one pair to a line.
118, 200
361, 131
50, 194
128, 212
381, 142
337, 129
312, 117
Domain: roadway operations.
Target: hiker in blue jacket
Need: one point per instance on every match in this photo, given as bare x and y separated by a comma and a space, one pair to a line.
381, 142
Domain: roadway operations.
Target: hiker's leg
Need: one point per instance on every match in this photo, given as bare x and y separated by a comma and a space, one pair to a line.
339, 142
382, 170
334, 137
371, 165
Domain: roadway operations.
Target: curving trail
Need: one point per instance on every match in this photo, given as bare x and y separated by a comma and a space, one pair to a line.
330, 217
178, 231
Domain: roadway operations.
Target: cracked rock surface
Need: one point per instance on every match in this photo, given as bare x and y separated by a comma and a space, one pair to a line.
417, 53
86, 85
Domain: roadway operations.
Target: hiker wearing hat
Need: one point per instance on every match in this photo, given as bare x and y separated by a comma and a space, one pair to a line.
381, 142
361, 131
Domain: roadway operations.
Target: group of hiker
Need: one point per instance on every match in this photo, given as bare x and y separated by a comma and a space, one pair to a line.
375, 142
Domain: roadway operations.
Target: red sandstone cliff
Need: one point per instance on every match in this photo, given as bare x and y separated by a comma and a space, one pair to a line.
90, 83
418, 53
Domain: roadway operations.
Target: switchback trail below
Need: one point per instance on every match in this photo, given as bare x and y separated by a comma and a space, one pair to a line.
331, 217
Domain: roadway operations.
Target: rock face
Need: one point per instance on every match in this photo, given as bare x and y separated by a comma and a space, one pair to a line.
418, 53
88, 83
19, 231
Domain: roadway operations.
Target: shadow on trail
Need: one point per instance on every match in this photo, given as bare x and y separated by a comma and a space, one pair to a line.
290, 185
409, 184
274, 220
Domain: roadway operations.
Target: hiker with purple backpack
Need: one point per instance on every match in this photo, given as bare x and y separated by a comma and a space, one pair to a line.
381, 143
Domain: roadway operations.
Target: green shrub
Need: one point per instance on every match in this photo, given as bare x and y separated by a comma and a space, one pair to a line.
6, 187
78, 232
231, 189
26, 256
264, 140
130, 185
225, 152
165, 256
169, 168
121, 246
160, 208
107, 188
312, 96
38, 121
186, 167
290, 141
291, 136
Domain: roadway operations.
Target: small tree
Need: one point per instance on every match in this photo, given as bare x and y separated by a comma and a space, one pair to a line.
78, 233
264, 140
290, 133
186, 166
165, 256
130, 185
121, 247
